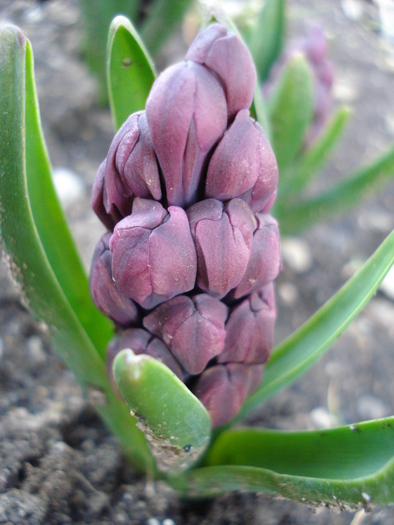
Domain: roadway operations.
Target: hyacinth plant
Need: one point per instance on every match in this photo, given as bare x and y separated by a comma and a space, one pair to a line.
185, 273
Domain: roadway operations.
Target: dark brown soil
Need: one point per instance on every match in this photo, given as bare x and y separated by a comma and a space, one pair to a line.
58, 463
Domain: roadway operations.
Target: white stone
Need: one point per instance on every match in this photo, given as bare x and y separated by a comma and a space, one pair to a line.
297, 254
321, 418
387, 285
69, 187
352, 9
370, 407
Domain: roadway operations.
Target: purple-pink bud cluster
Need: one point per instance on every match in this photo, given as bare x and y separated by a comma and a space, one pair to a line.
186, 268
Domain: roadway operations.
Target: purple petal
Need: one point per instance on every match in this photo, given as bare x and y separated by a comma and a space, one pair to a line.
226, 55
142, 342
243, 165
250, 329
265, 261
193, 329
105, 294
223, 238
222, 389
154, 257
187, 114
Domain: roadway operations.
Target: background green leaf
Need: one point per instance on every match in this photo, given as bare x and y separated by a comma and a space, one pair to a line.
303, 169
162, 17
20, 235
96, 18
130, 70
302, 349
290, 111
296, 215
352, 465
265, 40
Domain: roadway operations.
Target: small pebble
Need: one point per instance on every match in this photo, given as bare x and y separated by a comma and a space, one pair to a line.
370, 407
35, 350
288, 293
352, 9
153, 521
321, 418
168, 521
297, 254
69, 186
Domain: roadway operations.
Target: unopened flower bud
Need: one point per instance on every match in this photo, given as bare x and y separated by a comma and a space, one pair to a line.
250, 329
223, 238
130, 170
225, 54
265, 261
154, 257
187, 114
192, 328
142, 342
105, 294
222, 389
243, 165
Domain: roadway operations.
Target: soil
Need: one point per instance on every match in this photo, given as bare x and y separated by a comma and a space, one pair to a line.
58, 463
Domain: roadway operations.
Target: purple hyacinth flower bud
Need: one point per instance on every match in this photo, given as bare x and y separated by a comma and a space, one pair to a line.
243, 165
187, 114
154, 257
222, 389
105, 294
142, 342
192, 328
226, 55
130, 170
265, 261
250, 329
223, 238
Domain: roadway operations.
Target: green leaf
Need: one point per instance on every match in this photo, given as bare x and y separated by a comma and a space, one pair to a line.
265, 40
307, 344
290, 111
21, 237
130, 70
317, 155
95, 24
52, 225
161, 20
348, 466
294, 216
177, 425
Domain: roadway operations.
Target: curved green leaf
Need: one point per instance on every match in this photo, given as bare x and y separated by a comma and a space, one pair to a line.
51, 223
348, 466
317, 155
40, 286
161, 20
297, 215
265, 40
177, 425
302, 349
130, 70
290, 111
